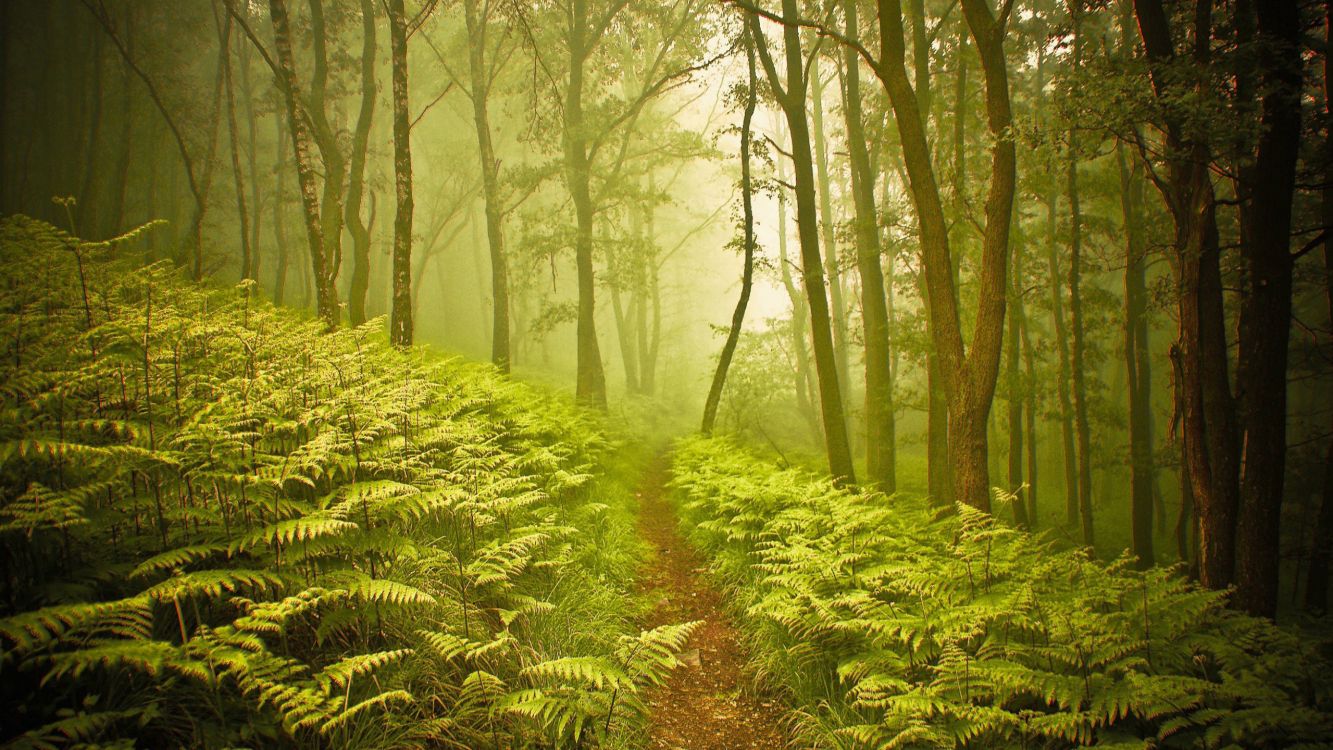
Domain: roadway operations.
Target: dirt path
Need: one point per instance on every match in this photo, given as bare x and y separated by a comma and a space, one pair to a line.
709, 702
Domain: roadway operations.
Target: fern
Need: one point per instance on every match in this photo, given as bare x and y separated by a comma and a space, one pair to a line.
959, 631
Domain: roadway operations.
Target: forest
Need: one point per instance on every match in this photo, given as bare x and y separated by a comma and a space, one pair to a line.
666, 374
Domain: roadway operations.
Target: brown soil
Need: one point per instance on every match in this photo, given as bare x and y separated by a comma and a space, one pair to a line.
709, 702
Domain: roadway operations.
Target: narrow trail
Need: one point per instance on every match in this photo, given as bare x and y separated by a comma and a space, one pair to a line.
708, 703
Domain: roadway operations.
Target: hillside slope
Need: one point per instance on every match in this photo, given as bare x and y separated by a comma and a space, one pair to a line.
224, 527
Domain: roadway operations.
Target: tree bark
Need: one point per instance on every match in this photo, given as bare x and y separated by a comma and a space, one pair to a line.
1077, 337
1137, 365
1316, 583
1016, 390
1265, 309
1208, 420
827, 223
234, 139
590, 387
880, 427
1061, 329
356, 174
969, 378
279, 221
799, 320
792, 99
747, 274
326, 293
477, 25
400, 322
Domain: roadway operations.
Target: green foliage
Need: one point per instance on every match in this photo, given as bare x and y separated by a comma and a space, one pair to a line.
222, 527
896, 626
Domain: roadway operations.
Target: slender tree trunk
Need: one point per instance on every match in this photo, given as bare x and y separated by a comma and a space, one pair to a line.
400, 323
252, 125
590, 388
969, 377
626, 330
1077, 335
938, 471
1265, 310
649, 301
792, 100
1030, 421
747, 275
326, 292
234, 140
799, 320
1014, 385
490, 180
880, 456
1316, 583
279, 225
356, 174
1208, 420
837, 307
1138, 376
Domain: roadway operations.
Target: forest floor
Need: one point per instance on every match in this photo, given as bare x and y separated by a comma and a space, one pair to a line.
710, 702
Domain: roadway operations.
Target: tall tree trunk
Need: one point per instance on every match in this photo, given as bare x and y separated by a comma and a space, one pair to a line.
279, 221
477, 26
1265, 310
234, 139
1030, 420
805, 386
649, 301
1060, 325
326, 292
1208, 420
1138, 374
400, 322
356, 174
1316, 583
1076, 330
1014, 386
590, 387
747, 274
880, 456
938, 471
827, 224
252, 125
792, 99
969, 377
625, 334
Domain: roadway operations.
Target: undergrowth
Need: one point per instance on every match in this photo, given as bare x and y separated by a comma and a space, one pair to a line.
224, 527
891, 625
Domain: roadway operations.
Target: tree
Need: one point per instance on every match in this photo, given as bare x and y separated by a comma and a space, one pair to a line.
791, 97
1266, 189
747, 240
322, 223
1077, 338
400, 323
1208, 423
969, 377
880, 428
483, 68
356, 174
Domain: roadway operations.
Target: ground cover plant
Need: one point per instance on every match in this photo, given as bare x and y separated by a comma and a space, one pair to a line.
221, 528
891, 624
